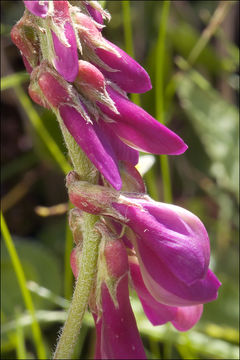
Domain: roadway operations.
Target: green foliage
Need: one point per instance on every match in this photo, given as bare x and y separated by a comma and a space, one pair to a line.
216, 123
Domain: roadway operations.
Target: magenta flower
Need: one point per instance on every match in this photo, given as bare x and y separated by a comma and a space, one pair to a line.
159, 233
168, 259
117, 333
107, 126
105, 142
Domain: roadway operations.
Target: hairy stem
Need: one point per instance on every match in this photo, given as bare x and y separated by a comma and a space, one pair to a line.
82, 290
88, 264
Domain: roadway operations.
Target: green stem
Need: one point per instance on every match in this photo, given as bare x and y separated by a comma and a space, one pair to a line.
160, 111
68, 275
129, 39
89, 255
82, 290
25, 292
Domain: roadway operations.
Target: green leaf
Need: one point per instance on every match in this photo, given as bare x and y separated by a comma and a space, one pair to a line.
216, 123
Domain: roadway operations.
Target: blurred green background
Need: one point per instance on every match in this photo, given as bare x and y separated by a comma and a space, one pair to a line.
190, 49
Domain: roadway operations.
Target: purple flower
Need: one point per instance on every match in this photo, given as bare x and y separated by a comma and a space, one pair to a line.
38, 8
117, 333
164, 232
105, 142
102, 146
171, 244
66, 60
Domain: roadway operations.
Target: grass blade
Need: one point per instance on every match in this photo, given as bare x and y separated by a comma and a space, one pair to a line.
37, 336
13, 80
129, 39
41, 130
159, 92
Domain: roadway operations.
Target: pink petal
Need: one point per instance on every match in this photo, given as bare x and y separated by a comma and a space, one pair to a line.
36, 8
130, 76
187, 317
123, 152
119, 334
66, 60
156, 312
183, 318
95, 14
139, 129
168, 290
93, 142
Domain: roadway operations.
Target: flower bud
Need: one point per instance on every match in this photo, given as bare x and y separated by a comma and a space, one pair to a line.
35, 92
112, 253
24, 37
88, 197
89, 77
53, 90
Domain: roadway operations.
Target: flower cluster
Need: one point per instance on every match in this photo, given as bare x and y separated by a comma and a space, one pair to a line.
89, 93
162, 250
167, 252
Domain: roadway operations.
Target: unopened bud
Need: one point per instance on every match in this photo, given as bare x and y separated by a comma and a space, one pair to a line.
91, 83
89, 78
24, 37
52, 89
87, 197
86, 27
116, 258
